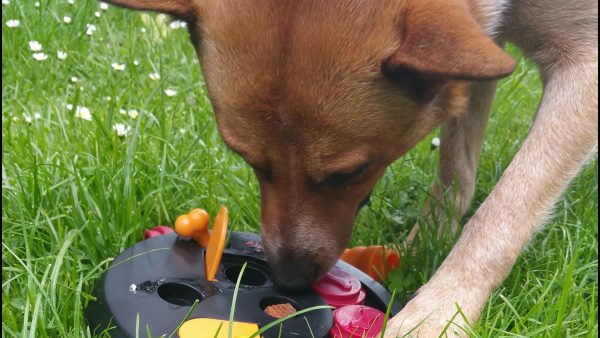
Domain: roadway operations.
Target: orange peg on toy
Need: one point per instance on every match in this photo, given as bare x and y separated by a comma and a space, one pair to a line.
375, 260
195, 225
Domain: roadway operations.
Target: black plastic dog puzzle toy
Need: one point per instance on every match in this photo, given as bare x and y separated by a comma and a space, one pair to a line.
157, 281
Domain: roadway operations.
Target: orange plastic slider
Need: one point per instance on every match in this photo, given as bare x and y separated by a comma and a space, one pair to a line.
195, 225
216, 244
375, 260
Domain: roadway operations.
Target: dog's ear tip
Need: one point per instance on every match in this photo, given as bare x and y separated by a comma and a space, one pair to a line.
452, 49
509, 65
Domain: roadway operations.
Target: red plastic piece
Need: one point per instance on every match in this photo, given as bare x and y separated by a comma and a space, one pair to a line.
357, 321
339, 288
158, 230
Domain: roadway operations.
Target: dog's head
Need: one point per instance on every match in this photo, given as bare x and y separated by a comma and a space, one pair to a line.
319, 97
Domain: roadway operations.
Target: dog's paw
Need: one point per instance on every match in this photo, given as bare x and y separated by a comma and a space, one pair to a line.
428, 315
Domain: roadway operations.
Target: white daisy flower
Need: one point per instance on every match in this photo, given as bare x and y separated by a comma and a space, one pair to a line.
435, 142
61, 55
40, 56
133, 113
121, 129
154, 76
27, 118
143, 30
136, 63
69, 106
123, 111
182, 130
35, 46
83, 113
90, 29
71, 2
108, 98
97, 14
103, 6
37, 116
74, 79
37, 4
118, 66
66, 19
170, 92
6, 2
13, 23
178, 24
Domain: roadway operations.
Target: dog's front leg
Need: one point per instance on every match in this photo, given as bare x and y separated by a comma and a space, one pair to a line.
564, 135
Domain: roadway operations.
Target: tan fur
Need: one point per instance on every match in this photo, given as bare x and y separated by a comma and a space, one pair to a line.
311, 93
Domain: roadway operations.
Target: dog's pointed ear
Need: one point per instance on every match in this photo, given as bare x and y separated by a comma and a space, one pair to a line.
441, 41
181, 9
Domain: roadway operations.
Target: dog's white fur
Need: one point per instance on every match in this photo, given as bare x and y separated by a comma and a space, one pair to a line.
561, 38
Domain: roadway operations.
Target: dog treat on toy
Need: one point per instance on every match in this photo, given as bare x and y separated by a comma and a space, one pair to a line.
375, 260
195, 225
280, 310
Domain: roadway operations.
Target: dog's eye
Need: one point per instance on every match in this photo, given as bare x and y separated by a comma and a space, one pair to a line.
343, 178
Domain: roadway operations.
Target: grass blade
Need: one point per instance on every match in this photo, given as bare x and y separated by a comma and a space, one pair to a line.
235, 293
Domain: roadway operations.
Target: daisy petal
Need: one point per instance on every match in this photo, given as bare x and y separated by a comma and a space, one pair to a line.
35, 46
13, 23
40, 56
121, 129
118, 66
90, 29
83, 113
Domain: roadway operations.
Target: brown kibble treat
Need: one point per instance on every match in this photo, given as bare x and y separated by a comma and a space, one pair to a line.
280, 310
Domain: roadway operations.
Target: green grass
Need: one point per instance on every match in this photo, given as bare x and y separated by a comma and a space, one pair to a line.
74, 194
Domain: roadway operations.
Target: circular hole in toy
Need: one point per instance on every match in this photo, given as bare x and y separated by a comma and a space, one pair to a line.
178, 293
251, 276
278, 307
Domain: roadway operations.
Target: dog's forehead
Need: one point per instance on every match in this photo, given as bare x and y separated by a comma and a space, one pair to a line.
299, 51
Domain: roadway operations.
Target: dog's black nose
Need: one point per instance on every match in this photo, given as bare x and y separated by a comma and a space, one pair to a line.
294, 273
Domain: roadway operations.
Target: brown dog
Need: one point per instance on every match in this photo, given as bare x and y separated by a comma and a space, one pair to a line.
319, 97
